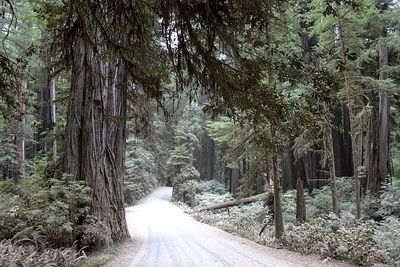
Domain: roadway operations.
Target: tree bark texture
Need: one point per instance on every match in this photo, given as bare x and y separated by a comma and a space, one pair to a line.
300, 202
371, 154
19, 137
313, 169
204, 157
354, 122
342, 142
46, 109
278, 216
383, 151
95, 133
288, 167
329, 158
235, 179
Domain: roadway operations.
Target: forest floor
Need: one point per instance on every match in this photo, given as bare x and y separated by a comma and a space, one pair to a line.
163, 235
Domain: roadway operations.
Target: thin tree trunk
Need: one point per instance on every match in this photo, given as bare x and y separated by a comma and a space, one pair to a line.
53, 114
371, 154
383, 150
328, 144
19, 135
353, 124
278, 217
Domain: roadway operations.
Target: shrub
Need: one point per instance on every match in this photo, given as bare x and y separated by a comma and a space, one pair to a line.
209, 192
396, 168
246, 220
390, 202
8, 208
319, 202
42, 205
388, 238
344, 238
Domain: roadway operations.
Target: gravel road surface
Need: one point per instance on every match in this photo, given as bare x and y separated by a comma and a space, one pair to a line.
163, 235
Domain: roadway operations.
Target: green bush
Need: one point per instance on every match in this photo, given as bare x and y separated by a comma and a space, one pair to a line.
8, 209
396, 169
319, 202
183, 188
141, 171
43, 205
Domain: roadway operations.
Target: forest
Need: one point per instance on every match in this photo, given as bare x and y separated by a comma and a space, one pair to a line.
273, 120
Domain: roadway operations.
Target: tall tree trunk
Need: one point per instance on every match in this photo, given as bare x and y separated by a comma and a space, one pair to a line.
329, 152
278, 217
47, 109
300, 202
19, 135
95, 132
371, 154
288, 167
235, 178
341, 142
204, 156
353, 122
383, 151
53, 114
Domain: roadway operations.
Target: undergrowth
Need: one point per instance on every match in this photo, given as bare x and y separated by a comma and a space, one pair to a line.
35, 218
29, 253
364, 242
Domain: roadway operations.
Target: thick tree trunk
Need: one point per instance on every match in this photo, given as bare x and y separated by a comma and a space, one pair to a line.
204, 157
383, 151
313, 169
300, 202
342, 142
288, 167
235, 178
47, 109
95, 133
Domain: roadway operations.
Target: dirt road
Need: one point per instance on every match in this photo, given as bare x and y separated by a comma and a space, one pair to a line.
165, 236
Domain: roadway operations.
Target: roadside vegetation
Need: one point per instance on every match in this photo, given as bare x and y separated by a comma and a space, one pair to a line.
366, 241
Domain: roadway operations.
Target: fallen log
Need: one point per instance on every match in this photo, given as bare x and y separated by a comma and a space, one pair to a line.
267, 197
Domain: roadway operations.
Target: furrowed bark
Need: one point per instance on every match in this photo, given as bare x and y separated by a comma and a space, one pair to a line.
278, 216
383, 149
300, 202
95, 133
